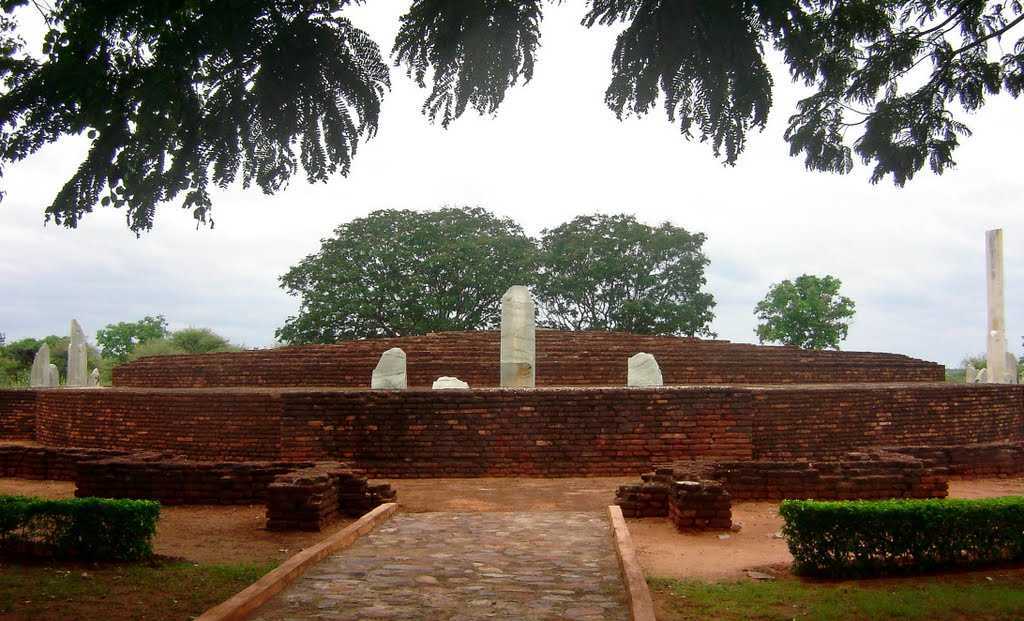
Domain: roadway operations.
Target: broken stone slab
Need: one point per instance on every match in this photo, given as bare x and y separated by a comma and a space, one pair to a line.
94, 378
643, 370
39, 377
518, 338
447, 383
78, 358
982, 377
52, 376
390, 370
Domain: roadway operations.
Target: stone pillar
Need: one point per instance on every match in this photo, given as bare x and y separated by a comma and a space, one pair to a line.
78, 359
996, 352
390, 370
40, 374
643, 370
518, 339
53, 376
94, 378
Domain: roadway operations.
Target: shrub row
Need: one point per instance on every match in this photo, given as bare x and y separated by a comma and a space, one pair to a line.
85, 528
862, 537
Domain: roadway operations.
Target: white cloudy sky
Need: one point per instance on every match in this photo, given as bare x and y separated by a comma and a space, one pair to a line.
912, 258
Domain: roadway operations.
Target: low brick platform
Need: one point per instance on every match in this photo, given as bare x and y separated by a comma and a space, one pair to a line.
697, 495
589, 358
299, 495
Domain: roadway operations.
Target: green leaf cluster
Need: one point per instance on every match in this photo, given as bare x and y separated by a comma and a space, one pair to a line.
610, 272
117, 340
401, 273
862, 537
807, 312
82, 528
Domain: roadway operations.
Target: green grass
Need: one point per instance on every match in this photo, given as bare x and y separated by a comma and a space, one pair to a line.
157, 591
922, 598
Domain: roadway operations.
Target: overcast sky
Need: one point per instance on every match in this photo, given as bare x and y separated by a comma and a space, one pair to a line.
912, 259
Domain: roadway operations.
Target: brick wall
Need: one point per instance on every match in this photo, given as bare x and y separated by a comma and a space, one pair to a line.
812, 422
542, 432
17, 414
46, 463
214, 425
311, 498
563, 359
548, 432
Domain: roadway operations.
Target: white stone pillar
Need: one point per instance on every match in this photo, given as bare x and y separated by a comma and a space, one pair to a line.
40, 374
996, 351
518, 338
78, 358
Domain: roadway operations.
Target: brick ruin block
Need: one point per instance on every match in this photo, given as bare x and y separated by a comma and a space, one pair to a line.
311, 498
699, 505
697, 494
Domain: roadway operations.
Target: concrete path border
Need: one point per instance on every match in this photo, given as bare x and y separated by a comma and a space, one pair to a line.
641, 606
248, 600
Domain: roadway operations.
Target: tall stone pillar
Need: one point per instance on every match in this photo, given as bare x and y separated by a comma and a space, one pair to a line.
518, 339
996, 351
78, 358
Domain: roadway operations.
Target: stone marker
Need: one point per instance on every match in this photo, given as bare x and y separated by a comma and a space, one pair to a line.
94, 378
78, 360
390, 370
996, 352
446, 383
40, 374
1011, 369
982, 377
53, 376
970, 374
518, 338
643, 370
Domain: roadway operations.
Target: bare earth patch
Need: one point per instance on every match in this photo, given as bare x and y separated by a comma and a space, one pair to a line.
568, 494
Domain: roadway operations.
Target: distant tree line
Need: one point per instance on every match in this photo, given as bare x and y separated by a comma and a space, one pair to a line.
117, 343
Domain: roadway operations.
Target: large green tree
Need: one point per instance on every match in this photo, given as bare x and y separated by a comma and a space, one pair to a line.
117, 340
177, 96
614, 273
400, 272
808, 312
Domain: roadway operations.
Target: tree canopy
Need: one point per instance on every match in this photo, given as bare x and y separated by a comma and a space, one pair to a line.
178, 96
807, 312
117, 340
613, 273
400, 272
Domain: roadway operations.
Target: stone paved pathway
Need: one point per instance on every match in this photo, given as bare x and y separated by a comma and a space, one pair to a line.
466, 566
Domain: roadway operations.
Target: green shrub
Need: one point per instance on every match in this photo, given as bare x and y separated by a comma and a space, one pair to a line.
837, 538
86, 528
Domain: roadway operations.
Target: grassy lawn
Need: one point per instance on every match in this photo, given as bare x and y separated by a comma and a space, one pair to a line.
155, 591
950, 597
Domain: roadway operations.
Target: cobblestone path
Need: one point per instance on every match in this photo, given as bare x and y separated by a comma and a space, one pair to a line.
463, 566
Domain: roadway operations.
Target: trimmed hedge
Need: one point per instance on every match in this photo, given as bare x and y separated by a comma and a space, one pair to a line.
86, 528
859, 537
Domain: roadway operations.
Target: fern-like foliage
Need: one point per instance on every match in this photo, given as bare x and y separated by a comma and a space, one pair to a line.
178, 97
476, 51
703, 59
